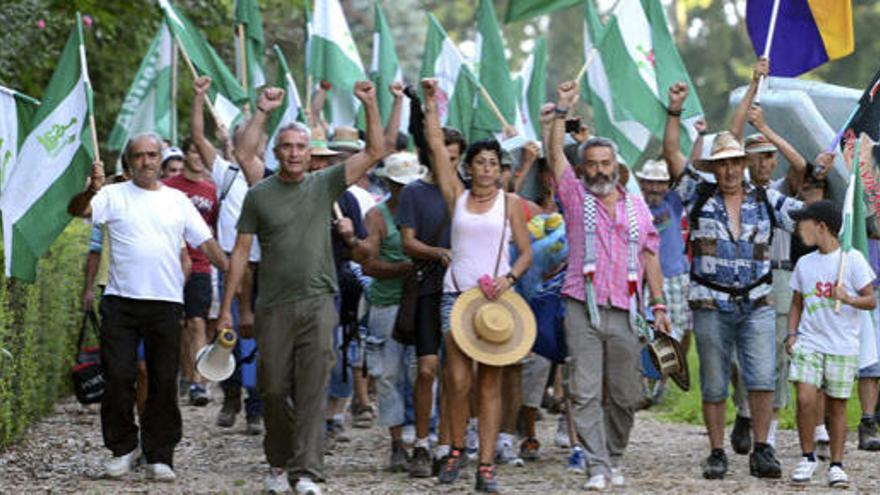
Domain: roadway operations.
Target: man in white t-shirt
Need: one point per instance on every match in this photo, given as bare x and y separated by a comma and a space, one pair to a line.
147, 224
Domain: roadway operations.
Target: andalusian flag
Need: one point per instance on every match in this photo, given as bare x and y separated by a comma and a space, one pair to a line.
247, 14
627, 84
385, 69
147, 106
16, 114
290, 111
494, 74
226, 95
531, 85
521, 10
53, 163
457, 84
333, 57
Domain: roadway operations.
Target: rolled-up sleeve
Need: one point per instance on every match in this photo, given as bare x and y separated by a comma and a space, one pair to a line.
782, 207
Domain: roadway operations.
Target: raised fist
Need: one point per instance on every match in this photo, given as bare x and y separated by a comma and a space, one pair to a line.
270, 99
756, 117
678, 92
201, 85
429, 87
365, 91
547, 113
396, 89
568, 93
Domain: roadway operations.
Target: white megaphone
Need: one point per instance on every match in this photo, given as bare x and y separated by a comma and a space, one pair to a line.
215, 361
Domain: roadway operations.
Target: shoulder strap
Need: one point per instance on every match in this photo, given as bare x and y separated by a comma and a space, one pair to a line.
501, 242
705, 190
228, 180
762, 196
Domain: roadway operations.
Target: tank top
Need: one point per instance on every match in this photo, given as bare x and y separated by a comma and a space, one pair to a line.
387, 292
475, 240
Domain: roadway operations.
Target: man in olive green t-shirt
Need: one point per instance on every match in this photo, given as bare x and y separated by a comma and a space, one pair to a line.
289, 213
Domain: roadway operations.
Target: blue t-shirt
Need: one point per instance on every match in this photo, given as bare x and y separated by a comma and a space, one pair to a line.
421, 207
667, 221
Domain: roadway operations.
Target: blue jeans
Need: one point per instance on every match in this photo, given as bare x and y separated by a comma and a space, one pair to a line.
253, 405
751, 333
389, 363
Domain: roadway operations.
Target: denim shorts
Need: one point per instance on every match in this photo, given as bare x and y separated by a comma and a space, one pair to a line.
751, 333
446, 310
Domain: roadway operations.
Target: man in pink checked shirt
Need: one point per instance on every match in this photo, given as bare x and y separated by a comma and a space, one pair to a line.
613, 246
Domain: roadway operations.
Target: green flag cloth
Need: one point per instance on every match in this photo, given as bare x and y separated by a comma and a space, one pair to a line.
494, 74
522, 10
626, 85
247, 13
333, 57
457, 84
226, 95
289, 111
385, 68
147, 106
53, 163
16, 114
531, 85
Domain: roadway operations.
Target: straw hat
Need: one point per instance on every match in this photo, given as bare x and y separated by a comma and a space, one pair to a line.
654, 170
724, 146
318, 143
497, 333
758, 143
402, 168
670, 360
346, 138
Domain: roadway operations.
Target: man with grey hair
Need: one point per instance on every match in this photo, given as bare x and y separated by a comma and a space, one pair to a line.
147, 223
612, 246
289, 213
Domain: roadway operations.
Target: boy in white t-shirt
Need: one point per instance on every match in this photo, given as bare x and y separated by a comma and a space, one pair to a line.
823, 342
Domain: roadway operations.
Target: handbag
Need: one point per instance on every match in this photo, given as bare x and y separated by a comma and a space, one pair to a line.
87, 374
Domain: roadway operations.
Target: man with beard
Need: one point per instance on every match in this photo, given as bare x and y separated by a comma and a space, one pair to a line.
613, 246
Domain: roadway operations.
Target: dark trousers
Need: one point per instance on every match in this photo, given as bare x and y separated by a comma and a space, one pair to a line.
124, 322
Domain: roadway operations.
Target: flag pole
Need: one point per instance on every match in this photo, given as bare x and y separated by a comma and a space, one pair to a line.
856, 168
243, 54
590, 57
195, 75
174, 89
842, 130
84, 67
493, 106
771, 30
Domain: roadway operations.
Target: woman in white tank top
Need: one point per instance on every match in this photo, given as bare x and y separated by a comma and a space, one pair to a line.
484, 219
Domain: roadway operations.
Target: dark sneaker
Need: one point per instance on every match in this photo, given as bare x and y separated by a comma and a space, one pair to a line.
198, 395
399, 459
231, 407
254, 425
530, 449
868, 439
450, 470
362, 416
741, 436
763, 462
715, 466
486, 481
420, 466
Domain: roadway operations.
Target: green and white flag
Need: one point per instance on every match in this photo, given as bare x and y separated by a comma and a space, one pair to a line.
333, 57
457, 83
226, 95
626, 85
53, 164
494, 74
247, 13
385, 69
147, 106
16, 113
289, 111
531, 85
522, 10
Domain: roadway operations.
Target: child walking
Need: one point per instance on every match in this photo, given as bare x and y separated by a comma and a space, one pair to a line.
824, 343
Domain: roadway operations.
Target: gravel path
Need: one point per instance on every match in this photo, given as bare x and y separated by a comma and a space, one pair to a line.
64, 452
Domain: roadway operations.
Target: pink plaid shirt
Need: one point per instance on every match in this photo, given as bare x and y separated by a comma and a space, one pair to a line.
609, 281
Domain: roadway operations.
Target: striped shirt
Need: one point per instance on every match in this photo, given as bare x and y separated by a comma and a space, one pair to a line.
722, 259
610, 279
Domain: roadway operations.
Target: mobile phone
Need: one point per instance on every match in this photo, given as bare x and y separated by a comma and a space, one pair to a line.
573, 125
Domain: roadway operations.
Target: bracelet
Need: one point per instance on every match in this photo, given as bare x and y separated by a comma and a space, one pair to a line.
657, 300
791, 335
260, 109
673, 113
659, 307
703, 133
561, 111
512, 277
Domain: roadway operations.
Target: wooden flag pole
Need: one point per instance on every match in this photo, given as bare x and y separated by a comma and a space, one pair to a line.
195, 75
84, 67
771, 30
243, 53
590, 57
174, 89
840, 272
493, 106
856, 168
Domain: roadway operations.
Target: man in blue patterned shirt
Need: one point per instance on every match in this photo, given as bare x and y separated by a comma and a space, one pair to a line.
731, 224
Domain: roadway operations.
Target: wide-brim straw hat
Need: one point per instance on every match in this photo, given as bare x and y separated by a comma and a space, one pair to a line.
758, 143
669, 358
318, 143
402, 168
724, 146
346, 138
655, 171
496, 333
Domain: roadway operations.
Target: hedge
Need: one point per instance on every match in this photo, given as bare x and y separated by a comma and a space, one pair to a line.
38, 330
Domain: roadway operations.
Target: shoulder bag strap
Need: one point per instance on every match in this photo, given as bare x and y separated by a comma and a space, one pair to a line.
228, 180
501, 242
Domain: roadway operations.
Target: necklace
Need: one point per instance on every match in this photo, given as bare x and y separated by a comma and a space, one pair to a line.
487, 198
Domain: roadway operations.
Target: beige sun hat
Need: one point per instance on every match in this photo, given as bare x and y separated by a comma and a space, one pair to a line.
654, 170
402, 168
758, 143
724, 146
497, 333
346, 138
318, 143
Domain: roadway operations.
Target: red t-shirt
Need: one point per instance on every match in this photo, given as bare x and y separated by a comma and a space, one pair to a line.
203, 194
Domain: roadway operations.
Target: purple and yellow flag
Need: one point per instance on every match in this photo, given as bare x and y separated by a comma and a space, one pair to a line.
808, 33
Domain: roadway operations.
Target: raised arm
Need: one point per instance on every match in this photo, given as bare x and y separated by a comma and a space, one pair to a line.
530, 154
393, 126
675, 159
248, 147
738, 122
197, 122
567, 97
697, 149
80, 205
444, 169
316, 112
359, 164
798, 166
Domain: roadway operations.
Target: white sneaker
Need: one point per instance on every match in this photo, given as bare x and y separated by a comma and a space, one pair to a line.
617, 478
837, 477
562, 441
160, 472
472, 441
597, 483
821, 434
305, 486
118, 466
505, 454
804, 470
275, 481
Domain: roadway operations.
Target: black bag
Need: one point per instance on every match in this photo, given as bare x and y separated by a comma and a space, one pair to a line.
88, 377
